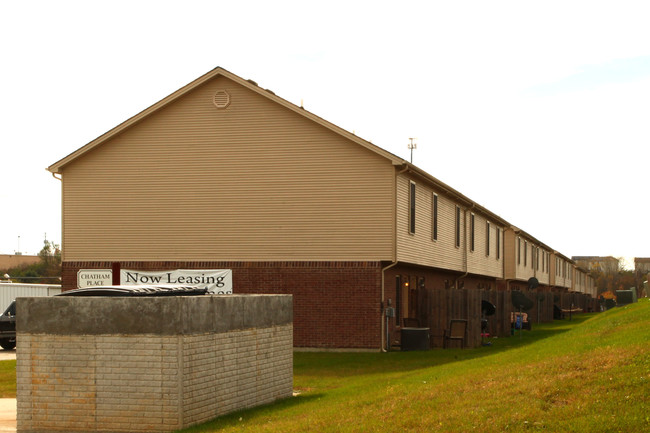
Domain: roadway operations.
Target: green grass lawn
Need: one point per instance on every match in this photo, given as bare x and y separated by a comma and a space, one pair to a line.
8, 379
591, 374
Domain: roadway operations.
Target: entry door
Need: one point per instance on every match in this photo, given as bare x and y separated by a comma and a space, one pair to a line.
413, 292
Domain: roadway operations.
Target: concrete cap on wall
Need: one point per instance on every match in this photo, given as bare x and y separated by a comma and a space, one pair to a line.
176, 315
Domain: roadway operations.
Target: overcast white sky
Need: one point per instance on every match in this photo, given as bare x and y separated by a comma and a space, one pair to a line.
539, 111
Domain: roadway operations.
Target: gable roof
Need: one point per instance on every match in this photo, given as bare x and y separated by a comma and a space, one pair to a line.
251, 85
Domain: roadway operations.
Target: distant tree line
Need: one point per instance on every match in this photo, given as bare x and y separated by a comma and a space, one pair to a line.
47, 270
613, 278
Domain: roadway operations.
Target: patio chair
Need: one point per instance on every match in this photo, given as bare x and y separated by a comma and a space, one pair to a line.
457, 330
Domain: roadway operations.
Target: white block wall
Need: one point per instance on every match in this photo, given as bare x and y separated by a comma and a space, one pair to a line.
148, 383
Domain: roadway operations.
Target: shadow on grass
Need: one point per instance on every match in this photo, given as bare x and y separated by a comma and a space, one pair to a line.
258, 414
327, 364
327, 368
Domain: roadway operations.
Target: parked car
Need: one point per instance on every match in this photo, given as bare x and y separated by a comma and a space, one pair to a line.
8, 327
137, 290
8, 318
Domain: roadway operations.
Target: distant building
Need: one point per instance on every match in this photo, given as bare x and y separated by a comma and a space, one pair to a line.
597, 264
641, 265
9, 261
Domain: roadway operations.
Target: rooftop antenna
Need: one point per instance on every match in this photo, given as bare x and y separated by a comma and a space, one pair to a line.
412, 146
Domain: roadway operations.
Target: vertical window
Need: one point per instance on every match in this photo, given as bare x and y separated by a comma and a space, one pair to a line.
398, 299
457, 226
412, 208
471, 232
537, 258
487, 238
518, 251
435, 217
498, 243
525, 253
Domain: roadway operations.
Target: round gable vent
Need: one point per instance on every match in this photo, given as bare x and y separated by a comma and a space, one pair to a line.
221, 99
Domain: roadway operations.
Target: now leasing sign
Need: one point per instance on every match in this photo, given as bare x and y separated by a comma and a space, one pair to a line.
217, 281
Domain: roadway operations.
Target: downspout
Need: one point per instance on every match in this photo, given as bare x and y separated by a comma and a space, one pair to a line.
60, 179
465, 253
384, 269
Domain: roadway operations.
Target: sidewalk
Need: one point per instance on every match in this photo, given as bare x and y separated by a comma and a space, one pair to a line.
7, 415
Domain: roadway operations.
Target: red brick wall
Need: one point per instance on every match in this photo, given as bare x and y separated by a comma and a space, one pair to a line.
335, 304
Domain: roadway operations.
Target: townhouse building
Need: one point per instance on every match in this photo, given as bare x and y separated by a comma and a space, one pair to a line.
225, 175
526, 260
642, 265
583, 282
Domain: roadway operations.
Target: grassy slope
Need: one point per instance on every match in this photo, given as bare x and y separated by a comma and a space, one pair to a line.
591, 374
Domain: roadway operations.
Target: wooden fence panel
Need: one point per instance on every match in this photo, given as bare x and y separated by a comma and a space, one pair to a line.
442, 305
474, 317
438, 306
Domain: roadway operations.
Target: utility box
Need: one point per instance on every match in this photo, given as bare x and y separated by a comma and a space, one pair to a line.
415, 339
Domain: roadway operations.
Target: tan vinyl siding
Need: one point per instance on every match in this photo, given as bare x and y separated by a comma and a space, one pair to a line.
509, 254
420, 247
543, 271
525, 268
521, 258
560, 272
254, 181
478, 261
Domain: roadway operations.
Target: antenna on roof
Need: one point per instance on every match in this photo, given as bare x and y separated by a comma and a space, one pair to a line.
412, 146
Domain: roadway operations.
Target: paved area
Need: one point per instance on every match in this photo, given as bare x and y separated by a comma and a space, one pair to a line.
7, 415
7, 354
7, 405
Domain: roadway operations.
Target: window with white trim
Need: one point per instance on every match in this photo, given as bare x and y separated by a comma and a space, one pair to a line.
472, 232
412, 207
434, 217
457, 227
498, 243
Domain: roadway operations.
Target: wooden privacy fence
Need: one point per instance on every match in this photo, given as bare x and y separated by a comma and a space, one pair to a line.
436, 307
568, 301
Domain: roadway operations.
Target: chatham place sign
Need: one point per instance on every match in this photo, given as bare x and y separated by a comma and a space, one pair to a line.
94, 277
217, 281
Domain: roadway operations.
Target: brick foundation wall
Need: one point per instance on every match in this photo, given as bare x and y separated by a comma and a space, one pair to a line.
74, 375
336, 304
